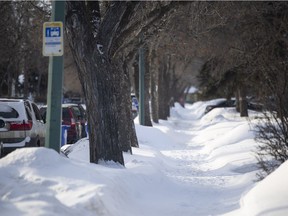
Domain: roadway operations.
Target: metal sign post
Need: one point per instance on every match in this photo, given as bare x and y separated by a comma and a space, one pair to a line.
53, 47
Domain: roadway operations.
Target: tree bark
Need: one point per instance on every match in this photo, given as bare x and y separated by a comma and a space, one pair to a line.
135, 66
127, 133
242, 101
147, 118
237, 100
154, 90
97, 74
164, 91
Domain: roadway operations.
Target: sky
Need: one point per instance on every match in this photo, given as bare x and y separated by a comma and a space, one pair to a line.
190, 165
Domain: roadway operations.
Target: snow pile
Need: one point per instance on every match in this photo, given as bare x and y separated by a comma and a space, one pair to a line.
192, 164
270, 196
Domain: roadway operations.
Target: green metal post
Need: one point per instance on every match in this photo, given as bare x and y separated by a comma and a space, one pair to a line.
141, 85
54, 95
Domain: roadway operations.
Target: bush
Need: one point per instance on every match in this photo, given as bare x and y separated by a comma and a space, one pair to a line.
272, 136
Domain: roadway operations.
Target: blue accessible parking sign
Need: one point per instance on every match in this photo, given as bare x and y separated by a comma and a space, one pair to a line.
53, 32
53, 39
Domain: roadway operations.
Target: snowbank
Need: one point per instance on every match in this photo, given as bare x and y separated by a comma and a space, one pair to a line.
192, 164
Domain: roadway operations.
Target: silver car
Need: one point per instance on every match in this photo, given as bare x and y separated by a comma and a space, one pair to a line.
21, 125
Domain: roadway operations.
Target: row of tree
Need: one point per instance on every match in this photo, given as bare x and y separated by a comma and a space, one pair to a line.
234, 48
110, 34
248, 45
226, 49
20, 48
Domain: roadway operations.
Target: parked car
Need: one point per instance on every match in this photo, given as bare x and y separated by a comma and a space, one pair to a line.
21, 125
220, 103
253, 103
74, 117
135, 106
255, 106
81, 116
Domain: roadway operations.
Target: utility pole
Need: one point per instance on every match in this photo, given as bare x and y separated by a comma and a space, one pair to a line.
141, 85
55, 81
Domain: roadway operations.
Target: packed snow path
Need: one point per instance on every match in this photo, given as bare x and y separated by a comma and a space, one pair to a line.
212, 183
190, 165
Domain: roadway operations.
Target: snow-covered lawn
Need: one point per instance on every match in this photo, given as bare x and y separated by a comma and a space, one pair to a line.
189, 165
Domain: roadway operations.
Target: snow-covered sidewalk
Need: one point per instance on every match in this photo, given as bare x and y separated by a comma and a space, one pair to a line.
190, 165
211, 157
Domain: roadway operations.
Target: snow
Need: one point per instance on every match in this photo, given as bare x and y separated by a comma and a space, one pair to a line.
190, 165
21, 78
100, 49
15, 106
192, 90
5, 108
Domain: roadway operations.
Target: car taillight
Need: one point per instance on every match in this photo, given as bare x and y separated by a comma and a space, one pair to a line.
19, 126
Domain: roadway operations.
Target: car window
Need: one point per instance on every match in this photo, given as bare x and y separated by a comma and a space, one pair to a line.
43, 112
65, 114
223, 103
76, 111
28, 110
28, 113
37, 112
8, 112
82, 111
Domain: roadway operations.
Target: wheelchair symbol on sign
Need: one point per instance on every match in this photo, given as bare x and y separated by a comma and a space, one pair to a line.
53, 32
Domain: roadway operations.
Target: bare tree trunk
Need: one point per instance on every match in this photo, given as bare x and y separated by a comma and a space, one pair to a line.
242, 101
154, 96
10, 78
237, 100
97, 74
124, 97
147, 118
136, 77
164, 91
